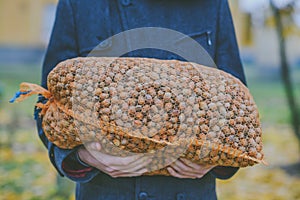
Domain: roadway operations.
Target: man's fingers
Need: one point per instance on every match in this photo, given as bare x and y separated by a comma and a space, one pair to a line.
129, 163
115, 161
93, 146
180, 166
116, 174
111, 160
196, 166
190, 164
184, 172
103, 167
123, 161
117, 166
134, 166
178, 175
198, 171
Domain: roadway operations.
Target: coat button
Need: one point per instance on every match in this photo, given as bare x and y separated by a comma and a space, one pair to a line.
143, 196
180, 196
126, 2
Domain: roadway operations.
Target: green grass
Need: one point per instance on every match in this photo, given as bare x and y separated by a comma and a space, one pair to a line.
269, 94
271, 101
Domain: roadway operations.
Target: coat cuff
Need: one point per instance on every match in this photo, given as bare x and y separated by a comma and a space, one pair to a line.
224, 173
69, 165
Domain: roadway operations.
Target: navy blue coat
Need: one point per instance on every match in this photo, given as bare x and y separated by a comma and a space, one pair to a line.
82, 24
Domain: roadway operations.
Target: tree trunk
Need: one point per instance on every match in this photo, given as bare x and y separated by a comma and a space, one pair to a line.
285, 74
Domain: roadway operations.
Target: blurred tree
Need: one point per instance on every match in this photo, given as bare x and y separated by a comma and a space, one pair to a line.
279, 11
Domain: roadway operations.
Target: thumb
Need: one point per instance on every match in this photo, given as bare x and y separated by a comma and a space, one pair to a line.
94, 146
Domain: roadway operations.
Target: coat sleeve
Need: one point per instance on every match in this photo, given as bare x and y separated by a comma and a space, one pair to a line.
62, 46
227, 58
227, 55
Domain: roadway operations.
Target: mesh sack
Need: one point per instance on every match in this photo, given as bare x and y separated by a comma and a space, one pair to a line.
167, 108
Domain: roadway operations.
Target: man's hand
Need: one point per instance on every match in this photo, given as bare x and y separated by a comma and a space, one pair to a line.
183, 168
112, 165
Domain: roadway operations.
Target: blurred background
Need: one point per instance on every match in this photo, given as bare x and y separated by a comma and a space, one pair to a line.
269, 39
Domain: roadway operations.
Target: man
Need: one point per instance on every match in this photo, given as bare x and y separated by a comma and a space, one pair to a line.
80, 26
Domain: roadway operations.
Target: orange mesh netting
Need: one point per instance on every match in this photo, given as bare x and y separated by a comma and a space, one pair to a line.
141, 105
